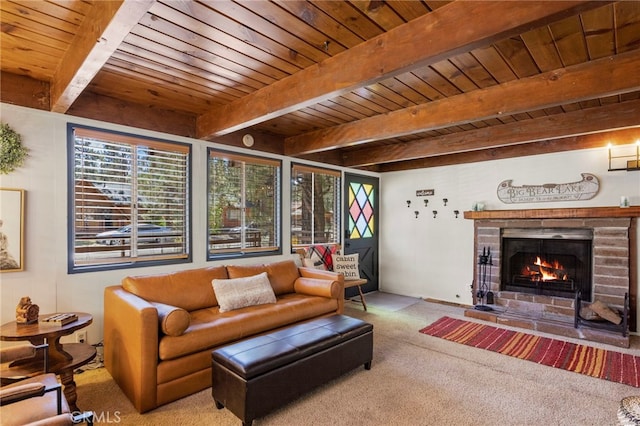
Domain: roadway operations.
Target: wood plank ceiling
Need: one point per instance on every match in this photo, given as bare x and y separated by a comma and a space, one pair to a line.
382, 85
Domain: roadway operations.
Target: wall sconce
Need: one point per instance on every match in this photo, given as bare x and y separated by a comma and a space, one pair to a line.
445, 201
408, 203
417, 213
456, 212
435, 213
624, 157
426, 202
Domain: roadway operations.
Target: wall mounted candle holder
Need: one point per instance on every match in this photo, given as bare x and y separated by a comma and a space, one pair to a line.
416, 213
408, 203
426, 202
435, 213
456, 212
445, 201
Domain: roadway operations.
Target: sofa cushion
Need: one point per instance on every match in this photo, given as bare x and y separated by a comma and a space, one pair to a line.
282, 276
173, 321
189, 290
239, 271
236, 293
210, 328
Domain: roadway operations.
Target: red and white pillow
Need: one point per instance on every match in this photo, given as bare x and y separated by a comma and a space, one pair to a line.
320, 256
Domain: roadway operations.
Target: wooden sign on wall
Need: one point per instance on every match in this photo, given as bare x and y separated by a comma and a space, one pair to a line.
425, 192
584, 189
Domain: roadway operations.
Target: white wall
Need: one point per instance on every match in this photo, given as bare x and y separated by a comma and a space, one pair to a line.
422, 257
427, 257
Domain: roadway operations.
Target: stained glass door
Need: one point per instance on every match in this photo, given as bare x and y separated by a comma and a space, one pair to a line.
361, 227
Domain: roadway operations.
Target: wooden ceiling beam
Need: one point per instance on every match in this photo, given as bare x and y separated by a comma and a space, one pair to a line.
24, 91
596, 140
99, 35
603, 77
127, 113
415, 44
598, 119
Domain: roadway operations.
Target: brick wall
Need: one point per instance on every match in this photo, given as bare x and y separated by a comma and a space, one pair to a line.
611, 264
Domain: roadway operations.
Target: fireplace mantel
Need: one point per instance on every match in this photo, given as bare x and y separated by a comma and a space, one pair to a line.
566, 213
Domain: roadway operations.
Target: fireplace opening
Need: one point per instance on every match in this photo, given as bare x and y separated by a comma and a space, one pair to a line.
550, 261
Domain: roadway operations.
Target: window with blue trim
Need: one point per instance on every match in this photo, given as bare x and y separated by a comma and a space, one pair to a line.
129, 200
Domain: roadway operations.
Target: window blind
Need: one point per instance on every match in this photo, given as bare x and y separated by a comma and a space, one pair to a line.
130, 200
315, 205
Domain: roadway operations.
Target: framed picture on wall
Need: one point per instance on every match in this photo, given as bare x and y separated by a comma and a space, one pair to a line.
11, 230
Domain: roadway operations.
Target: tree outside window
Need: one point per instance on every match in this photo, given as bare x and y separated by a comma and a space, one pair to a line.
243, 205
315, 206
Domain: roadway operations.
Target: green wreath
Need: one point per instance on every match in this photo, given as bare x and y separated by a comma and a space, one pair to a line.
12, 152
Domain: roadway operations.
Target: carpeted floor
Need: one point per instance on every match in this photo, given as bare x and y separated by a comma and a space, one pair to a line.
415, 379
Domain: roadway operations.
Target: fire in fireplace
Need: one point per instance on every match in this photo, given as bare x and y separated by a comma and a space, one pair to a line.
541, 270
549, 261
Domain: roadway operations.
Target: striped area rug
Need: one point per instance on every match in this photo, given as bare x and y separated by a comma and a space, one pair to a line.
594, 362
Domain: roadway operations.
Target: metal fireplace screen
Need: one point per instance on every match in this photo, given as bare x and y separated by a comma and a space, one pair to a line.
550, 261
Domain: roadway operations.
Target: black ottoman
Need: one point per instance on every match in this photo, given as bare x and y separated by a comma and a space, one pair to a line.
255, 376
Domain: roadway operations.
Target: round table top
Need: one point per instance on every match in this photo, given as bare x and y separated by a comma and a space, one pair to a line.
13, 331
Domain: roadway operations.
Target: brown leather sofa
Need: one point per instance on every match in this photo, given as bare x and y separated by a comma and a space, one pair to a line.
159, 330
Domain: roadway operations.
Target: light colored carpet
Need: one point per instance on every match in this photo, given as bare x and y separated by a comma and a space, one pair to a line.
415, 379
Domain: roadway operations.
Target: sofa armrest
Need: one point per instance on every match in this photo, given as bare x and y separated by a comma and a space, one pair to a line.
131, 345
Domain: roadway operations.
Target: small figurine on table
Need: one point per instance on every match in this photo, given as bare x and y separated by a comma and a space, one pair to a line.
27, 312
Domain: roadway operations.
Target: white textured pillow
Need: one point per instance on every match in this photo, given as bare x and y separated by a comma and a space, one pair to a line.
238, 293
347, 265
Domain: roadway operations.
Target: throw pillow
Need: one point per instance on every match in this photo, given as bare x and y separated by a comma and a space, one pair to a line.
315, 263
322, 256
173, 321
239, 293
605, 312
347, 265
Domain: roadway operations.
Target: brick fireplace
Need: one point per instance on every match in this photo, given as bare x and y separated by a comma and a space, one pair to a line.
613, 268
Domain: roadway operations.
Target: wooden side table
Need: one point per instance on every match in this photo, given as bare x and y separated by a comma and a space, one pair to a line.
359, 283
63, 359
